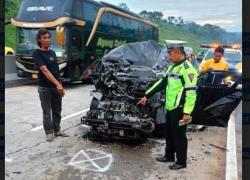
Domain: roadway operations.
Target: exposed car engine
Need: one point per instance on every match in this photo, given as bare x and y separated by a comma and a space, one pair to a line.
120, 83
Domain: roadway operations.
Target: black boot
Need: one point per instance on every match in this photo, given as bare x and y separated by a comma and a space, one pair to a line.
177, 166
164, 159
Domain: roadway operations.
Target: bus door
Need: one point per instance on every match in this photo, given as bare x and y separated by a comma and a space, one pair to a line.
76, 49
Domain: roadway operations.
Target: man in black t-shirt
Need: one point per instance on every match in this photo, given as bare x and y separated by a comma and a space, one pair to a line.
50, 88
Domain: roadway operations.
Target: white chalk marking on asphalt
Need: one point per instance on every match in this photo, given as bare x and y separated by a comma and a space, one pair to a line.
64, 118
8, 160
84, 164
231, 157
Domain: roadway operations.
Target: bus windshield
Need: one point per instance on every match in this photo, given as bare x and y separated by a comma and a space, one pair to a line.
26, 42
43, 11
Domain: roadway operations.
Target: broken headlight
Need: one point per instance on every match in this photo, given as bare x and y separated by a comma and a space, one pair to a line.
228, 81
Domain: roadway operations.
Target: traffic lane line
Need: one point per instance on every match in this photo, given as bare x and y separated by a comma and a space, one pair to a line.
231, 156
15, 89
64, 118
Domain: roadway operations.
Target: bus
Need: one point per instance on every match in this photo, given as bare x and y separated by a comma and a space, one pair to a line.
82, 31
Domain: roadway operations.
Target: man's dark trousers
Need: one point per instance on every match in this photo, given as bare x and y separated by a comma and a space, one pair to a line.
51, 102
176, 140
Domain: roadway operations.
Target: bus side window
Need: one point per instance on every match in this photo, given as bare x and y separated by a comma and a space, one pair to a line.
106, 19
115, 21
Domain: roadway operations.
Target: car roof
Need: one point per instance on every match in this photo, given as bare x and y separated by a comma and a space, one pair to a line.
227, 49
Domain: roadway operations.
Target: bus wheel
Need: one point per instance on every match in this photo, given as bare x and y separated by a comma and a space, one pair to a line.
9, 53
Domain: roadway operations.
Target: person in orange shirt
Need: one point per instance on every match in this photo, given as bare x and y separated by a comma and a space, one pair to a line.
215, 63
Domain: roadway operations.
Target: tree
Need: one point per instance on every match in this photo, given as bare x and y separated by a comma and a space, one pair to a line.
124, 6
157, 15
11, 8
180, 20
144, 14
152, 15
171, 19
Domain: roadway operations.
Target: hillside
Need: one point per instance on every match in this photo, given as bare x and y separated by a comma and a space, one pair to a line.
168, 31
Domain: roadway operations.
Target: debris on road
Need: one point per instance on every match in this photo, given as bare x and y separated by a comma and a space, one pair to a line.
17, 172
221, 148
208, 152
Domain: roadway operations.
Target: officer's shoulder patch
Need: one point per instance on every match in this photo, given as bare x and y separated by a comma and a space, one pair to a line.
186, 65
191, 76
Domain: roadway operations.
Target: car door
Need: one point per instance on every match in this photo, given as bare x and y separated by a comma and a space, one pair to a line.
219, 93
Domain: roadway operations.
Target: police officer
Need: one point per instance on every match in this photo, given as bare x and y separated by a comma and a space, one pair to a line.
215, 63
179, 81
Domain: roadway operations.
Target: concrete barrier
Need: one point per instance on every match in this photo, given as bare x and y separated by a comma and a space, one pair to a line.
10, 65
11, 78
231, 156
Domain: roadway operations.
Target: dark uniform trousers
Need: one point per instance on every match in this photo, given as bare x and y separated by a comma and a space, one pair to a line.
51, 102
176, 140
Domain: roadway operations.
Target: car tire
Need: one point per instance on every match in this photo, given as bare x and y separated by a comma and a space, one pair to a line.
94, 104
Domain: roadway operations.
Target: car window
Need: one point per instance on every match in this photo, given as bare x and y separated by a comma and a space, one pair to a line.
229, 56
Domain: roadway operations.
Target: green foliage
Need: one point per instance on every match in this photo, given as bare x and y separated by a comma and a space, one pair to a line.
195, 34
154, 15
10, 31
168, 31
124, 6
11, 8
10, 36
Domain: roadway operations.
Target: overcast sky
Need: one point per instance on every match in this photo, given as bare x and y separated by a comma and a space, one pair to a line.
224, 13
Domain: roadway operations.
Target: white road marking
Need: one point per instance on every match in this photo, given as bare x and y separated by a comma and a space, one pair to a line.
85, 164
14, 89
231, 157
64, 118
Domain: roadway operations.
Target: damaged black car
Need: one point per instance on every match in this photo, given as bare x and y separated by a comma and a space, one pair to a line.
121, 78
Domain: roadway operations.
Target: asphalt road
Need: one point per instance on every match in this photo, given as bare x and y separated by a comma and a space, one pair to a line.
29, 156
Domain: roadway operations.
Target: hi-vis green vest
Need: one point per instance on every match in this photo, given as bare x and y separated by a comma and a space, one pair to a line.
180, 81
